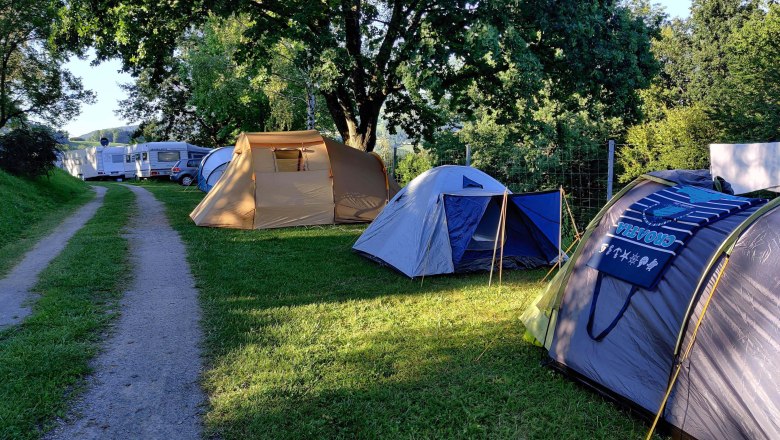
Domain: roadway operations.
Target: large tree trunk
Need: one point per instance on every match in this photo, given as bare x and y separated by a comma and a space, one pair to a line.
357, 132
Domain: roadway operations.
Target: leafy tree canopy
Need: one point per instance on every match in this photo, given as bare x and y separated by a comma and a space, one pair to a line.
32, 80
412, 58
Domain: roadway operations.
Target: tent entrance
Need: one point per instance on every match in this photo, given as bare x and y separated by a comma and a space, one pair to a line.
472, 222
484, 237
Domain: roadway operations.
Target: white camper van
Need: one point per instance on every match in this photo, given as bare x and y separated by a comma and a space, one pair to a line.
155, 159
77, 164
95, 162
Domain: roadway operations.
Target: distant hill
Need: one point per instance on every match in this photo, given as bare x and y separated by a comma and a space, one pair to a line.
120, 135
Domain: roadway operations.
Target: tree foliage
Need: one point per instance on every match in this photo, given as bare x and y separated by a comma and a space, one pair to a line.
718, 83
206, 96
417, 60
32, 80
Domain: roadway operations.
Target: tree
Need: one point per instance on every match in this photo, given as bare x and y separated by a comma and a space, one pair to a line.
29, 150
32, 81
747, 108
408, 57
677, 141
206, 97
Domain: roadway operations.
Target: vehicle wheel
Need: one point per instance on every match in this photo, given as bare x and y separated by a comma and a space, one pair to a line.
186, 181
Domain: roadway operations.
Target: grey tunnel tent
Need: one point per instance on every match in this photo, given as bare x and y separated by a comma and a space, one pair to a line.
446, 220
714, 311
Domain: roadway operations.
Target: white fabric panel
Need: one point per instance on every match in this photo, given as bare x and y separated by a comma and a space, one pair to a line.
747, 167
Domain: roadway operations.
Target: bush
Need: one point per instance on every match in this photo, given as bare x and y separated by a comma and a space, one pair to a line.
28, 151
412, 165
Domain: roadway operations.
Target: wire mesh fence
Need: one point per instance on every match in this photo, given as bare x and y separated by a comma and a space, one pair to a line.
582, 172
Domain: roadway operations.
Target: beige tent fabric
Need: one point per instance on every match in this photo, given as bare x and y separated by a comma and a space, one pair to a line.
293, 179
358, 195
231, 203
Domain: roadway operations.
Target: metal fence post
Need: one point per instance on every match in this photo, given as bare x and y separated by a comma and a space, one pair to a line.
394, 161
610, 167
468, 155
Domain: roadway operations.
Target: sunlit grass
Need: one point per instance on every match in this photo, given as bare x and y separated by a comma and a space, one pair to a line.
32, 208
306, 339
44, 359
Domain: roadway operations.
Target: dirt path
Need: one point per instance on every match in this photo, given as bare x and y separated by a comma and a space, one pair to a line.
15, 295
145, 384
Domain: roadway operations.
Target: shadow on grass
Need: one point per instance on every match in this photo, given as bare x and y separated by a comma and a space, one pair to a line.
307, 339
415, 383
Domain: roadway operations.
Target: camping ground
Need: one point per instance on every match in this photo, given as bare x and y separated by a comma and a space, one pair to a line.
306, 339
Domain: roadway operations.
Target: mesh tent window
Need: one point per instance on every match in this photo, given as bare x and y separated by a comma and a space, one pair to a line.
287, 160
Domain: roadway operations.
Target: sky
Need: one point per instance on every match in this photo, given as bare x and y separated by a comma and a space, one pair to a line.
105, 78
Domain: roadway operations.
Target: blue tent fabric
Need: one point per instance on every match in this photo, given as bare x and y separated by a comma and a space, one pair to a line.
445, 221
468, 183
211, 167
463, 217
543, 210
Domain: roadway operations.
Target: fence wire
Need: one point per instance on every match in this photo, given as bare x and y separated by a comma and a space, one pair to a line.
582, 172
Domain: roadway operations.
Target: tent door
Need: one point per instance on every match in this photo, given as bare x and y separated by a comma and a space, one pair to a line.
484, 237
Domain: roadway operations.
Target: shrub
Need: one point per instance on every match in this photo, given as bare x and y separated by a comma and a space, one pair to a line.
28, 151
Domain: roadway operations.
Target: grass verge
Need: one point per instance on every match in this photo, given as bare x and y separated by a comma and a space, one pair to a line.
31, 208
43, 360
305, 339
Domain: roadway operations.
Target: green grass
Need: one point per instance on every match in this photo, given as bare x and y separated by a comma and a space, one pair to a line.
306, 339
43, 360
31, 208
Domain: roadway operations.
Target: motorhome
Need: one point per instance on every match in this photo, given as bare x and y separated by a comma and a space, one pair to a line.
155, 159
95, 163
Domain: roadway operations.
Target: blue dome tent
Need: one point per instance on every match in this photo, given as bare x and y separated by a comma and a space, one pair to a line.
212, 166
447, 220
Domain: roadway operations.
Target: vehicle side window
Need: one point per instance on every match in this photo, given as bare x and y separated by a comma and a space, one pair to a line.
144, 156
167, 156
127, 158
116, 158
193, 163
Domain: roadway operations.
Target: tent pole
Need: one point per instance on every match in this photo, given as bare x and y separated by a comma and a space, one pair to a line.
503, 239
687, 351
560, 225
495, 248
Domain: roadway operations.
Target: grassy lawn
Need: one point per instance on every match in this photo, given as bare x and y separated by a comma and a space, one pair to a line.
30, 209
306, 339
43, 360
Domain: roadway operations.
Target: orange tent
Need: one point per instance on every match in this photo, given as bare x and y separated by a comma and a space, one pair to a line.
295, 178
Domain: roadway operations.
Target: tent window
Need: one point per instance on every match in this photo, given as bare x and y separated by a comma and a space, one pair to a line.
289, 160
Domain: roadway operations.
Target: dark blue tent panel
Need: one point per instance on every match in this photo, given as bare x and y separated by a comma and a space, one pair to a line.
531, 238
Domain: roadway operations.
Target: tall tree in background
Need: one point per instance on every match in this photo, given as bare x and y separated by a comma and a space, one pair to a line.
32, 80
718, 83
747, 108
405, 56
205, 96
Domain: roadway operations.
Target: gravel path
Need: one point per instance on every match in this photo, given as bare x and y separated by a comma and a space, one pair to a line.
145, 384
15, 295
